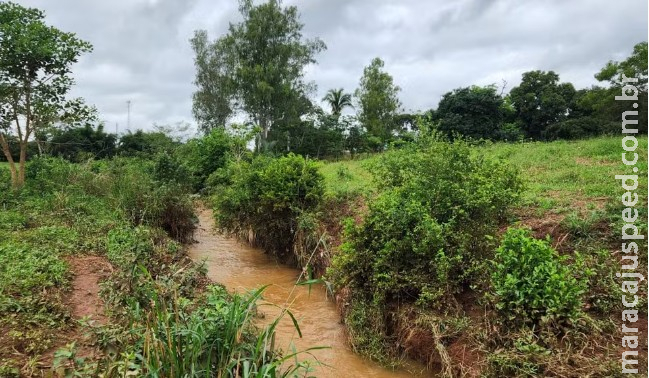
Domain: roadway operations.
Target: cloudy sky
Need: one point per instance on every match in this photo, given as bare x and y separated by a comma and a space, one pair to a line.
141, 50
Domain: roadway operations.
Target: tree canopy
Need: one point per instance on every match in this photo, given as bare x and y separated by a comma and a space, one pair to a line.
474, 112
540, 101
338, 100
35, 68
378, 101
256, 68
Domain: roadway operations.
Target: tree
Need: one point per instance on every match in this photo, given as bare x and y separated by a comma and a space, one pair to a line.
35, 67
378, 102
540, 101
602, 100
257, 68
77, 143
474, 112
635, 66
146, 144
338, 101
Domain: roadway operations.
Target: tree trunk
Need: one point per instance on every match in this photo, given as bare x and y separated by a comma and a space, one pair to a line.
23, 159
10, 159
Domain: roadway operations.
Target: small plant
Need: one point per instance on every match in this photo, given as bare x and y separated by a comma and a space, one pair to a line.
533, 285
67, 364
343, 173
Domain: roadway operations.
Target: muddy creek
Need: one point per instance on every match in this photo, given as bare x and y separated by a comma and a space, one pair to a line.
242, 268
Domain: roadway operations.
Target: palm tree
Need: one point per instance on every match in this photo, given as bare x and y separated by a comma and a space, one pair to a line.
338, 100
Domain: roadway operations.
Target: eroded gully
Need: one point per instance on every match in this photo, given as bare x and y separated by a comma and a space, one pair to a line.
242, 268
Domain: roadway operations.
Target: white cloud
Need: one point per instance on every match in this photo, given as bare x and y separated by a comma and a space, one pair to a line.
142, 51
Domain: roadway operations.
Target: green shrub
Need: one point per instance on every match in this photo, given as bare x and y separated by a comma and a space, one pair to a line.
267, 196
128, 247
532, 284
426, 232
168, 169
426, 235
147, 201
203, 156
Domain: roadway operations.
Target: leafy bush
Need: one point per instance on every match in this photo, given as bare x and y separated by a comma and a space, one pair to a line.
532, 284
12, 220
426, 224
204, 156
427, 233
266, 196
168, 169
147, 201
576, 128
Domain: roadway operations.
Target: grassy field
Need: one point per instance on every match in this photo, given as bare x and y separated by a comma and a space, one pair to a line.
558, 175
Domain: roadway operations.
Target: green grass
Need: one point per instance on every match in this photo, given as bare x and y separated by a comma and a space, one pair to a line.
559, 175
566, 173
347, 176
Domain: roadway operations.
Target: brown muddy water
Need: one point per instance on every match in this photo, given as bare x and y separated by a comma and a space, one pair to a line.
242, 268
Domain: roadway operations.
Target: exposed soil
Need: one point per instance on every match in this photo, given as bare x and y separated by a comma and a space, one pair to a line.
84, 300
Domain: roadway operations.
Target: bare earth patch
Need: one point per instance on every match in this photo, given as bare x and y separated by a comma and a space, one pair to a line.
83, 301
84, 298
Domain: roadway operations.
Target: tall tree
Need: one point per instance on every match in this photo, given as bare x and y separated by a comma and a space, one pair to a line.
378, 101
256, 68
338, 100
635, 66
602, 100
35, 67
474, 112
540, 101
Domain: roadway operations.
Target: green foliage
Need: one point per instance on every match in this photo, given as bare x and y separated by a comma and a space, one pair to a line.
24, 270
81, 143
378, 103
145, 200
578, 128
35, 61
426, 233
534, 285
127, 247
540, 101
230, 75
320, 137
214, 339
337, 100
145, 144
266, 196
473, 112
168, 169
12, 220
635, 66
206, 155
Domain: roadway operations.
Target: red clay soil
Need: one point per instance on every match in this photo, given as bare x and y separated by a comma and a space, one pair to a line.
84, 298
83, 301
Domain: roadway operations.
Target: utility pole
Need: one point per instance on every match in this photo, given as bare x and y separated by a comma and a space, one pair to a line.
116, 128
128, 115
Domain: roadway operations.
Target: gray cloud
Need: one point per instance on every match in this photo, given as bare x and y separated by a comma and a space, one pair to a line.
142, 52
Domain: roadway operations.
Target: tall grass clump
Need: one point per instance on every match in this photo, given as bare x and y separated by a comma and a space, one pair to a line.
215, 339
